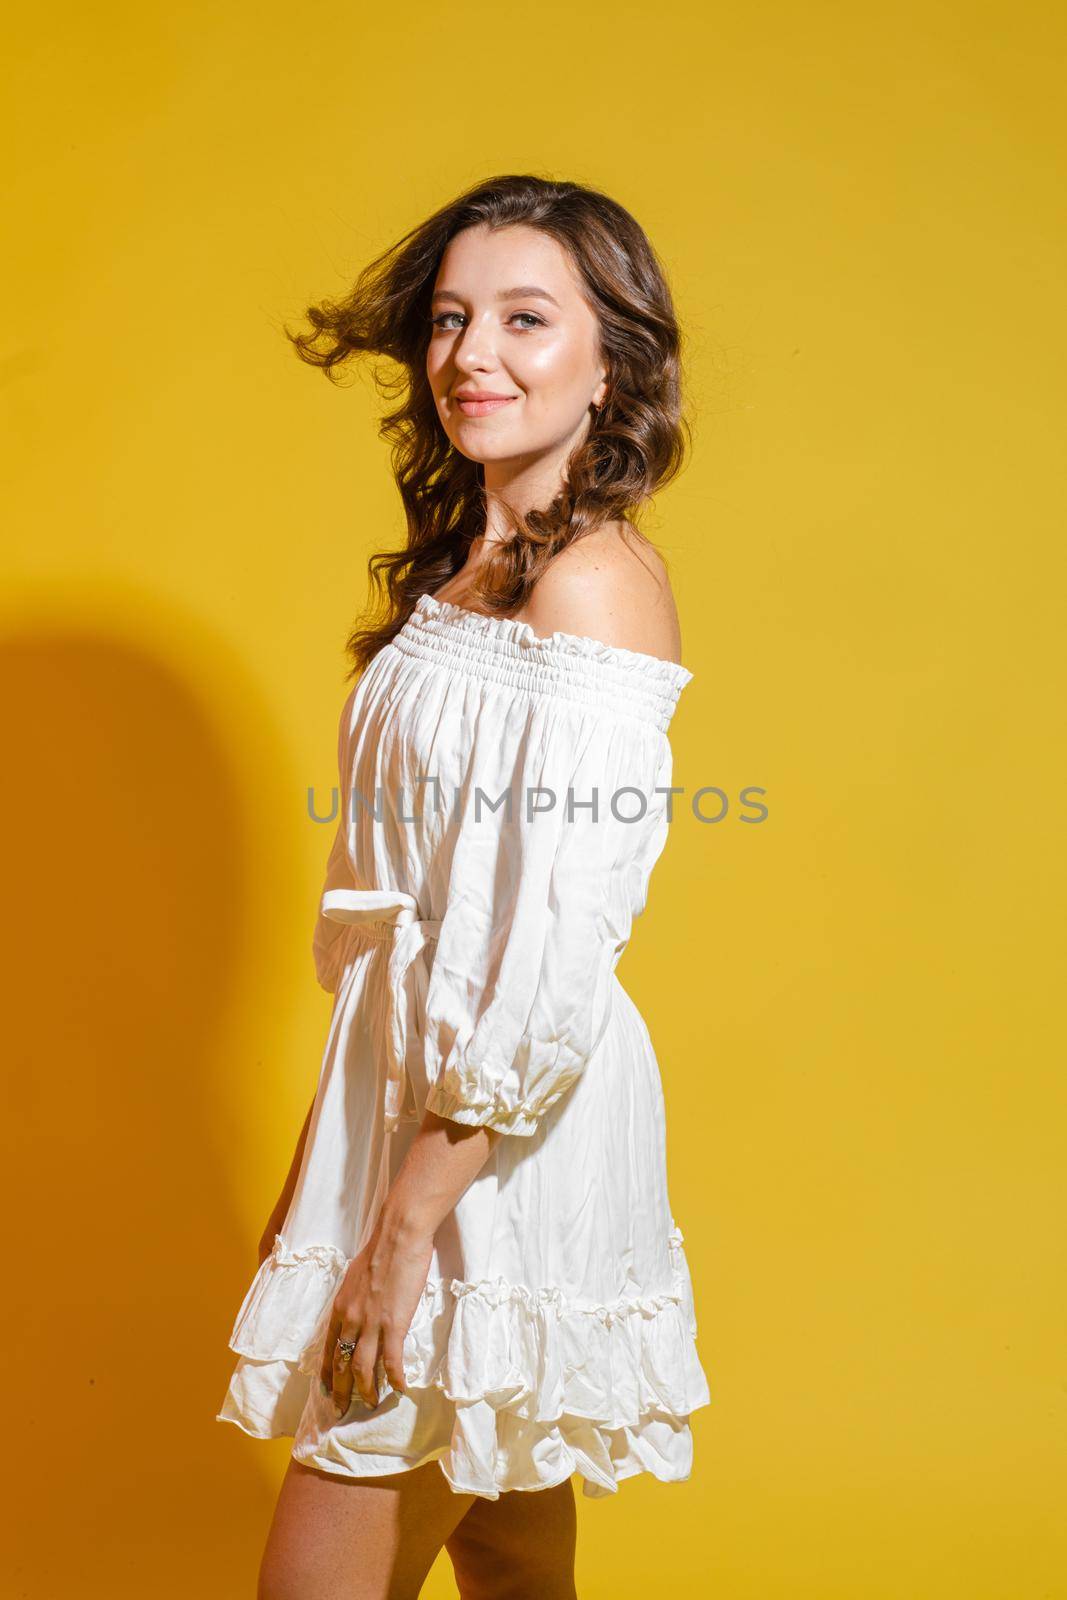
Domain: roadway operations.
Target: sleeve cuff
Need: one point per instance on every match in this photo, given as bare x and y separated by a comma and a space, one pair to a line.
446, 1104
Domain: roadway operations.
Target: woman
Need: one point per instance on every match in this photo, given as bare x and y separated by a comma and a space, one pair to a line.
472, 1282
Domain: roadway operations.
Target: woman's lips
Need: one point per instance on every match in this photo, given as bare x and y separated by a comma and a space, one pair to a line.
482, 408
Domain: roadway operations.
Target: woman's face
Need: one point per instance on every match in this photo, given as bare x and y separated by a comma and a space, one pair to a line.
510, 321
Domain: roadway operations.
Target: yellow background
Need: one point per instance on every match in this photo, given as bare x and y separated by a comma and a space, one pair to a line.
855, 1004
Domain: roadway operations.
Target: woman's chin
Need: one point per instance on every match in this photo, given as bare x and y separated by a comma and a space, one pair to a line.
487, 451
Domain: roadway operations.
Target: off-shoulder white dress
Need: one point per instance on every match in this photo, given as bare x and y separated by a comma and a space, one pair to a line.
469, 930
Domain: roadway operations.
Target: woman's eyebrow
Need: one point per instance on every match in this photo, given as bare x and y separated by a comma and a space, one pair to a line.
524, 291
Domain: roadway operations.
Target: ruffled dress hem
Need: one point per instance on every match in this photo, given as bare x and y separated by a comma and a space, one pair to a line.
528, 1387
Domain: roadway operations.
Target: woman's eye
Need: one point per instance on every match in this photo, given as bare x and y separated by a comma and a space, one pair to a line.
529, 319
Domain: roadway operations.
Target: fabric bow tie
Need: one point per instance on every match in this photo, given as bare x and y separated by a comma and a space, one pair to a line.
396, 913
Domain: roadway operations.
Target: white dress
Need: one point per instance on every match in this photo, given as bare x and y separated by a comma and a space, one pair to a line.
471, 955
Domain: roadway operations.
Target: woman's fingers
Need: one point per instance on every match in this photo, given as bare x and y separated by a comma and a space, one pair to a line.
364, 1360
393, 1355
328, 1349
341, 1378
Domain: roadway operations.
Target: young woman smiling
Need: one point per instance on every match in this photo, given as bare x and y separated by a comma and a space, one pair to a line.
472, 1284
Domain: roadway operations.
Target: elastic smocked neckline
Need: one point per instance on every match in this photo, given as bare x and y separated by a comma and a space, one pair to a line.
507, 652
549, 644
576, 643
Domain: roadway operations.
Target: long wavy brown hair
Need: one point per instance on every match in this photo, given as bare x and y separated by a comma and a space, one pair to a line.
636, 444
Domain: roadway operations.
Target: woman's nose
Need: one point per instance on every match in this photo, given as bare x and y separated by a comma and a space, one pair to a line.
474, 350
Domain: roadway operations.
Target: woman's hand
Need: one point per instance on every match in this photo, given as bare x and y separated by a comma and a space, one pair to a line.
374, 1306
383, 1284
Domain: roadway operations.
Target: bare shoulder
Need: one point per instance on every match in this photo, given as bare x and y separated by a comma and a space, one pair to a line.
610, 586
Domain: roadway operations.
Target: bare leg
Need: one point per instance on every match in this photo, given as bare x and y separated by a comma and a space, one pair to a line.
338, 1538
519, 1547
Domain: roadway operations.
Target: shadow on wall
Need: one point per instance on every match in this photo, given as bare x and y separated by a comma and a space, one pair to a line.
124, 1259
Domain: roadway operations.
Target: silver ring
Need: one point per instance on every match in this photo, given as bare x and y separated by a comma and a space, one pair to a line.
346, 1347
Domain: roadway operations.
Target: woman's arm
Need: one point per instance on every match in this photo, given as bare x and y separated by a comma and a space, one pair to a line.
378, 1295
442, 1159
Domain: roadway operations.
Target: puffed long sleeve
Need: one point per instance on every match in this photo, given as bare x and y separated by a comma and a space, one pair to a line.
539, 905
